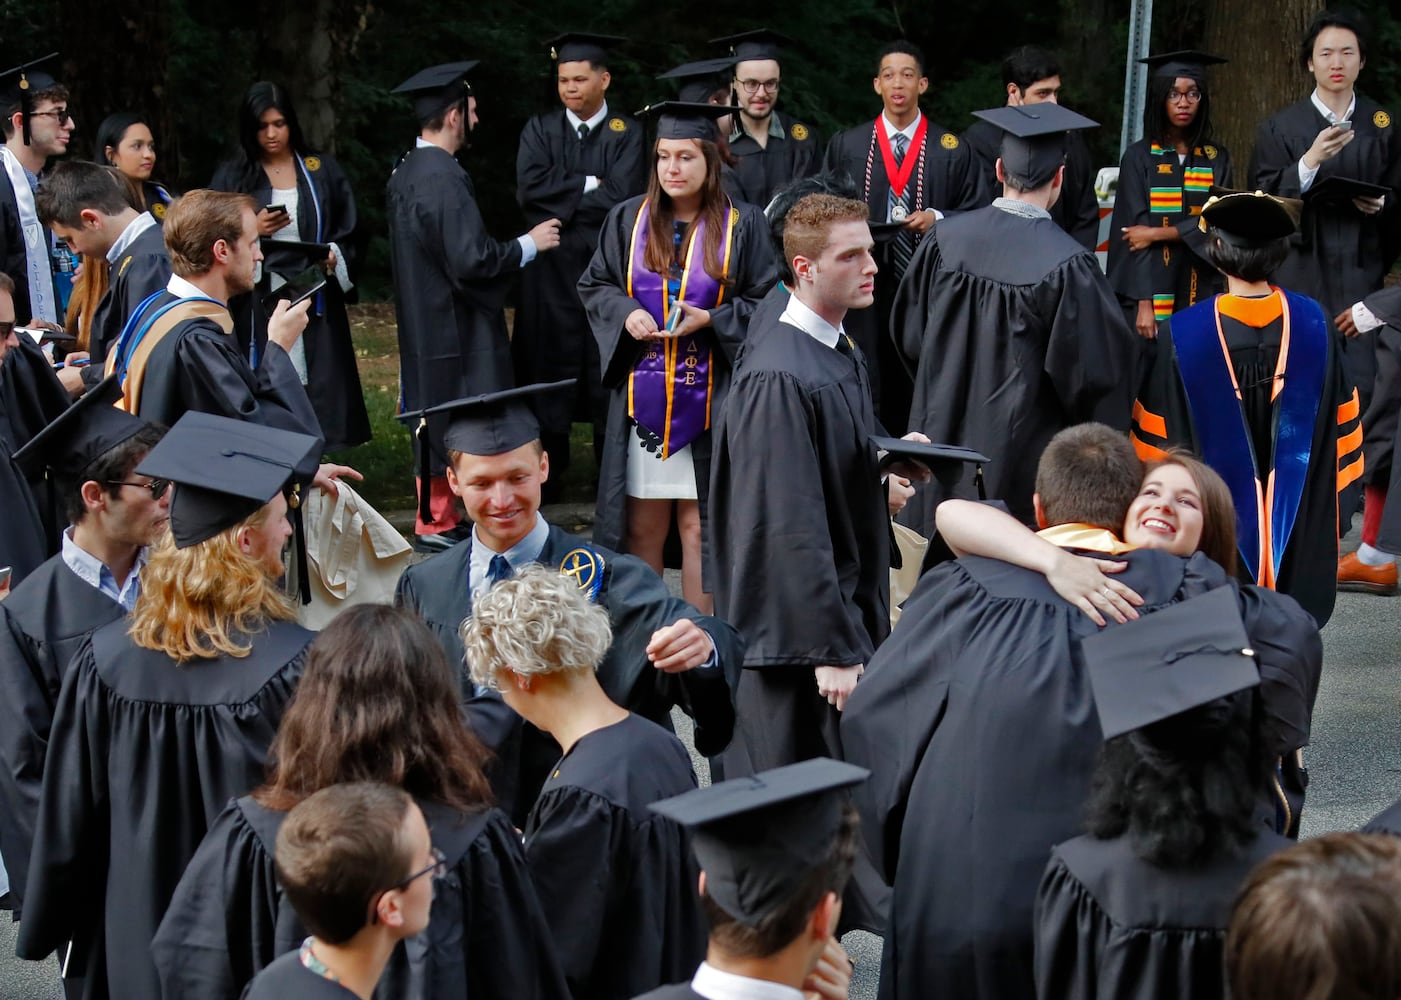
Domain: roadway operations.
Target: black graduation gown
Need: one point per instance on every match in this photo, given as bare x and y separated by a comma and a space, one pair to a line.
144, 754
1340, 255
551, 339
197, 366
952, 182
603, 290
638, 604
333, 379
1163, 416
43, 622
761, 170
487, 936
288, 977
618, 881
1387, 821
1112, 926
143, 269
679, 991
1178, 274
12, 250
1076, 210
449, 288
1380, 419
977, 721
1007, 349
158, 199
31, 397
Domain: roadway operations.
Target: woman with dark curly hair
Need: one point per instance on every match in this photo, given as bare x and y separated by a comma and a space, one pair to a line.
1158, 263
378, 702
303, 198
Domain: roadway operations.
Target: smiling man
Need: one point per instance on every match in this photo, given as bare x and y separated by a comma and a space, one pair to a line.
574, 164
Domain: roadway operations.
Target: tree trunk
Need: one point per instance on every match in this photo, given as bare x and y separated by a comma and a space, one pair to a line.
1262, 38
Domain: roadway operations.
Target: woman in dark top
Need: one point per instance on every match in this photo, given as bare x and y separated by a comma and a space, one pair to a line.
378, 703
124, 141
304, 198
618, 881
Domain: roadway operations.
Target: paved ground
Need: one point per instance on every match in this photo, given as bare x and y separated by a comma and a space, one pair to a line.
1354, 762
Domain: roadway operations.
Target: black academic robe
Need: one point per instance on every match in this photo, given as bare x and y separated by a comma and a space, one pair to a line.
31, 398
143, 755
1387, 821
603, 290
977, 721
158, 199
948, 180
1340, 255
638, 603
1380, 419
13, 260
678, 991
449, 289
487, 935
288, 977
1269, 434
1155, 189
760, 171
617, 880
333, 379
142, 270
43, 623
1007, 349
1112, 926
197, 366
551, 339
1076, 210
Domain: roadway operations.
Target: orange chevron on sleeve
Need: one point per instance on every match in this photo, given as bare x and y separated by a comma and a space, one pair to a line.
1149, 421
1146, 451
1349, 442
1351, 473
1350, 409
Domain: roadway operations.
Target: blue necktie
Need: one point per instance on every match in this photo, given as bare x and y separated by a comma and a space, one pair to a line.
499, 570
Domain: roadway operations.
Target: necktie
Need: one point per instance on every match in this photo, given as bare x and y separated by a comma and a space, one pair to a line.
845, 345
583, 130
902, 248
499, 570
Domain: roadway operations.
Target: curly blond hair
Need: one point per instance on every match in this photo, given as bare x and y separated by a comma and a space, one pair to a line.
203, 601
536, 622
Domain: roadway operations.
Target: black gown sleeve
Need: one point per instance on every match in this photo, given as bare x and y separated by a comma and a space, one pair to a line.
603, 292
448, 220
1273, 168
758, 271
27, 675
1071, 931
1090, 350
545, 186
1130, 271
626, 176
211, 382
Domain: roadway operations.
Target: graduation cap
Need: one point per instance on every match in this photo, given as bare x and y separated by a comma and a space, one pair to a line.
946, 461
1034, 138
686, 119
21, 83
1250, 218
492, 423
81, 434
759, 44
224, 470
1339, 190
757, 837
1185, 62
438, 87
698, 79
579, 46
1161, 665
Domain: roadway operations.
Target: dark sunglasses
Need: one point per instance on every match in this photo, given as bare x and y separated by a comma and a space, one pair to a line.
156, 486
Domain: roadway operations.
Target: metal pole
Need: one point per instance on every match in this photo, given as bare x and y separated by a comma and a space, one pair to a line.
1135, 73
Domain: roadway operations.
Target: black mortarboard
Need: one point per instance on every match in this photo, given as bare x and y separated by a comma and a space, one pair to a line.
84, 432
699, 79
759, 44
1336, 190
438, 87
224, 470
21, 83
1034, 138
289, 258
1165, 663
1185, 62
579, 46
943, 459
685, 119
490, 424
756, 837
1250, 218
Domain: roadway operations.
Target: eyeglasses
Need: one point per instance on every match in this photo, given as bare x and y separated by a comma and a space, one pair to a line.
156, 486
437, 869
752, 87
59, 115
1190, 96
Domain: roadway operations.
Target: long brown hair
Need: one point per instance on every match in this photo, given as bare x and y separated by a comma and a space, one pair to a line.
660, 251
1218, 541
377, 702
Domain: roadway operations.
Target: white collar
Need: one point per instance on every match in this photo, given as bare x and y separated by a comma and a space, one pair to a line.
575, 121
1327, 112
908, 131
186, 289
133, 229
713, 984
798, 313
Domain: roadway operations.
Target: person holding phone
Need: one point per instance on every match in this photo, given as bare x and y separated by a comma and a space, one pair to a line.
1347, 240
303, 197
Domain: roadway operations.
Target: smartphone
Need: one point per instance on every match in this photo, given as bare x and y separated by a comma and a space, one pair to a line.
275, 208
306, 284
4, 578
1343, 126
675, 320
